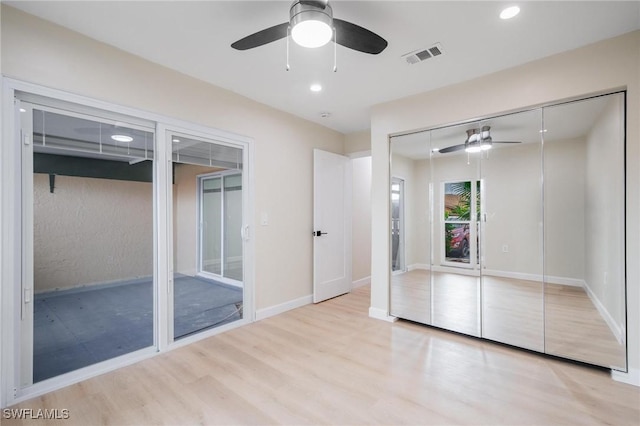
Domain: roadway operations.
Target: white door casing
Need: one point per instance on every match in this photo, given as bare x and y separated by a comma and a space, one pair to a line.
331, 225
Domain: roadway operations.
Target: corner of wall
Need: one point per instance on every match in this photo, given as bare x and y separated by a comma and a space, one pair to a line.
357, 142
381, 315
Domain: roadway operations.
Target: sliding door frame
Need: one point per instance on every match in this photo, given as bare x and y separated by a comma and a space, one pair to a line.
11, 224
199, 207
167, 273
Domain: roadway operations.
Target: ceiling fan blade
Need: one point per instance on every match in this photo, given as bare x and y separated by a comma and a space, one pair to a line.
452, 148
262, 37
357, 38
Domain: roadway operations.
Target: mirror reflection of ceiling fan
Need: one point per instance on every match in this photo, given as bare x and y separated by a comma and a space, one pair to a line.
478, 140
311, 24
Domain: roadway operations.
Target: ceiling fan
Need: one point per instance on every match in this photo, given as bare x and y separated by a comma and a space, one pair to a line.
478, 140
311, 24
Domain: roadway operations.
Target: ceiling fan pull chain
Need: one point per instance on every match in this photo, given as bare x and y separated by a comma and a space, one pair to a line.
335, 51
288, 34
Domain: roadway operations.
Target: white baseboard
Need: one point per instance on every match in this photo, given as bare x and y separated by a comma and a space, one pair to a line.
283, 307
573, 282
361, 282
606, 316
422, 266
381, 314
454, 270
630, 378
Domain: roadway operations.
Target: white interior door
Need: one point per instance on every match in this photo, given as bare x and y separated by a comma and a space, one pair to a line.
331, 225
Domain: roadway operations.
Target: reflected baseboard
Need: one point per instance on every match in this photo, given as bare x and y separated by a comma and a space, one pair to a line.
361, 282
573, 282
616, 329
454, 270
421, 266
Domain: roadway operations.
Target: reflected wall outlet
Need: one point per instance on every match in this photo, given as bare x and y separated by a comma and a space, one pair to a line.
264, 219
505, 248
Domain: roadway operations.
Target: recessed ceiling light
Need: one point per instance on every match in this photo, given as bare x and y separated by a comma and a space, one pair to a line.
23, 110
509, 12
121, 138
176, 140
315, 87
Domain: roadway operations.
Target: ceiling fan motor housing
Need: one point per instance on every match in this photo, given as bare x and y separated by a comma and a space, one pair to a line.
302, 10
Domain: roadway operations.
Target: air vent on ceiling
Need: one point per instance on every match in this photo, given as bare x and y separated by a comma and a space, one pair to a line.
423, 54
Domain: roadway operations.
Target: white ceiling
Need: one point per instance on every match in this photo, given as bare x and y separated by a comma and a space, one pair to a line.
194, 38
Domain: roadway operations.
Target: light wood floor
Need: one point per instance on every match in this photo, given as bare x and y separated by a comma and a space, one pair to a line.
563, 321
332, 364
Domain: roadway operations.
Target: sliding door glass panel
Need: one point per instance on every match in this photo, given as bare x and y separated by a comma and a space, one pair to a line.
232, 266
210, 225
410, 191
584, 201
92, 240
511, 224
455, 276
206, 235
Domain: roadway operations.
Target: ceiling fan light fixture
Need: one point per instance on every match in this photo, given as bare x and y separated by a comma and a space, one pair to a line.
473, 149
311, 26
122, 138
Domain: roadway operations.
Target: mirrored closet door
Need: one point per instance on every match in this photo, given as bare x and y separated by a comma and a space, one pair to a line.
584, 201
514, 229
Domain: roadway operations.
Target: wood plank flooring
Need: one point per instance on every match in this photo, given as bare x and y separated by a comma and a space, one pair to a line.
331, 364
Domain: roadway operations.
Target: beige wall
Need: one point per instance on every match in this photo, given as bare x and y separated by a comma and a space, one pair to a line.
361, 219
360, 142
185, 216
357, 142
91, 231
36, 51
567, 75
564, 212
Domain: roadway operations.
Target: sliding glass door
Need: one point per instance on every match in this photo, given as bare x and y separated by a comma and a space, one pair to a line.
88, 240
208, 243
220, 197
127, 237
